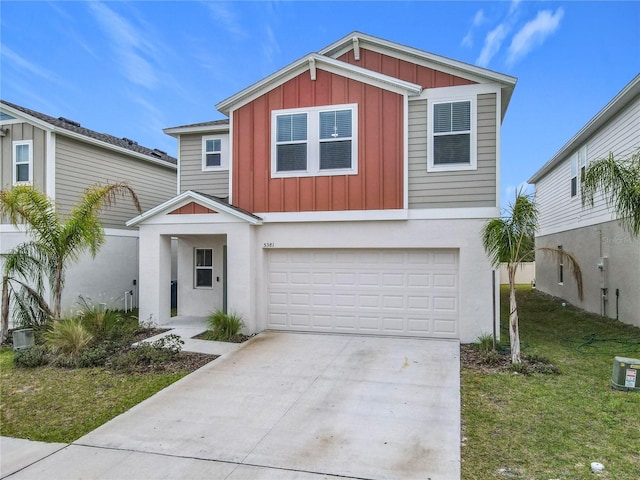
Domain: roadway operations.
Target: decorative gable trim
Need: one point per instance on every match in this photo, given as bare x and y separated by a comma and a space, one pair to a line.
357, 40
214, 204
190, 209
322, 63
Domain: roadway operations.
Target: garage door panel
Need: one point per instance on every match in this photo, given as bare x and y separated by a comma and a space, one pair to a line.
392, 292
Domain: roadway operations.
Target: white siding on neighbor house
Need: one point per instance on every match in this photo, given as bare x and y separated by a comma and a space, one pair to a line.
23, 131
80, 165
558, 211
192, 177
468, 188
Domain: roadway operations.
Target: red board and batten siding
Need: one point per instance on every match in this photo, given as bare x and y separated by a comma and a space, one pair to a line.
409, 72
379, 182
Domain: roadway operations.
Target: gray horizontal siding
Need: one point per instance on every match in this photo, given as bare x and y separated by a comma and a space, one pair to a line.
23, 131
79, 165
470, 188
191, 175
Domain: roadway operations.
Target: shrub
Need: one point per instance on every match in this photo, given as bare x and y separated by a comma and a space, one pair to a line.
224, 327
32, 357
94, 357
485, 343
68, 337
105, 324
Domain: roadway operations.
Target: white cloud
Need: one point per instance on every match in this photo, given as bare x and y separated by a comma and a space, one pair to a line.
492, 43
533, 34
19, 63
228, 19
510, 191
479, 18
131, 45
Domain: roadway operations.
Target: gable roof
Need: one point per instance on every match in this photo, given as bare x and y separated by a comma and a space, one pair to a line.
68, 127
202, 127
356, 39
214, 203
618, 103
311, 62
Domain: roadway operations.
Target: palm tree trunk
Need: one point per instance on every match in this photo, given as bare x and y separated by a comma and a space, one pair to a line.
57, 292
5, 308
514, 334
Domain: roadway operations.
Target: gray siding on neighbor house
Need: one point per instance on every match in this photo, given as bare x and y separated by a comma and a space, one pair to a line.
79, 165
23, 131
192, 177
470, 188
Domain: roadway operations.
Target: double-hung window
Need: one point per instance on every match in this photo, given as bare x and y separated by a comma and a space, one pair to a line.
203, 271
22, 162
578, 167
315, 141
214, 153
452, 135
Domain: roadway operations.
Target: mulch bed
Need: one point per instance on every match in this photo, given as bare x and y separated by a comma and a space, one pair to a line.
472, 358
237, 339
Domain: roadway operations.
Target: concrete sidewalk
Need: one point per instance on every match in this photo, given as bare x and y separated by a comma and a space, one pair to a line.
288, 406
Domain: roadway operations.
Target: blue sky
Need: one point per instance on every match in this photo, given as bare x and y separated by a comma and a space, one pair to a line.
133, 68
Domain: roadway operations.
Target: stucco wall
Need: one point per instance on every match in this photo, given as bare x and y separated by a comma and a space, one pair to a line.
247, 261
588, 245
199, 301
103, 279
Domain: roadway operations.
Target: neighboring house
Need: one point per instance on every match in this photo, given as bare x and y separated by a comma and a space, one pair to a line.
61, 158
608, 255
345, 193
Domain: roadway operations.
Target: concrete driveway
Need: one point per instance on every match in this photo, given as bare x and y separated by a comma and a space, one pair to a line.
287, 406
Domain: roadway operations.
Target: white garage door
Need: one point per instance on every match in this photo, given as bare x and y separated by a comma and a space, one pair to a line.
382, 292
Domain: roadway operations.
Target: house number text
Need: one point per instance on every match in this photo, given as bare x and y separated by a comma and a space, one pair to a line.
268, 245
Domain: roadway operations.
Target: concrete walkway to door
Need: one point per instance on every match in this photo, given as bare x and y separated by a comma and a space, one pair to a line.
288, 406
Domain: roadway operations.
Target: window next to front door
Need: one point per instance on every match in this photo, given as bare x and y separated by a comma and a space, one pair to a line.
203, 268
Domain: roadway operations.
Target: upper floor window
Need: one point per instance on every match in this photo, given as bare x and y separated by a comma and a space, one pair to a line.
578, 166
315, 141
214, 153
22, 161
452, 135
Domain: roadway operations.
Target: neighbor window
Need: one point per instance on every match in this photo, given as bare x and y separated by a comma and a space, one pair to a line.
214, 153
315, 141
203, 267
22, 162
578, 167
560, 265
452, 135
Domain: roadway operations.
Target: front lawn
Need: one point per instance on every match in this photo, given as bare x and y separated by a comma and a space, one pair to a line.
553, 426
60, 405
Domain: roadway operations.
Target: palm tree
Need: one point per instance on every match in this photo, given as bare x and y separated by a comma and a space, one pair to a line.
510, 240
620, 182
55, 242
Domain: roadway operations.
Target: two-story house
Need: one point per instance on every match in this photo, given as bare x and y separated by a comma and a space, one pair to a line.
62, 158
609, 256
345, 193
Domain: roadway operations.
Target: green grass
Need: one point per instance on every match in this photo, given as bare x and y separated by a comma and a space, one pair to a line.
553, 426
59, 405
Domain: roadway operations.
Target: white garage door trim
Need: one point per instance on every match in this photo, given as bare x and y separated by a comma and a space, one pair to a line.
403, 292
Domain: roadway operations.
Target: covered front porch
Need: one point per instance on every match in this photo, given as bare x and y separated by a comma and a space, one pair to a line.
214, 248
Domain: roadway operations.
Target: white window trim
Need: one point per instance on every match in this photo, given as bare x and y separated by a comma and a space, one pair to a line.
473, 150
16, 144
577, 162
224, 156
196, 268
313, 142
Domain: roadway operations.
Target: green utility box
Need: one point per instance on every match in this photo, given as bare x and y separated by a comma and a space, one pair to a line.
626, 374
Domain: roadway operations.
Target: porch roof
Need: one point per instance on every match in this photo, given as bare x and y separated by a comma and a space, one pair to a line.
215, 203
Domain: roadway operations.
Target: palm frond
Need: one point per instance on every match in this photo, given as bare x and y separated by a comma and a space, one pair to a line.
574, 266
619, 180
